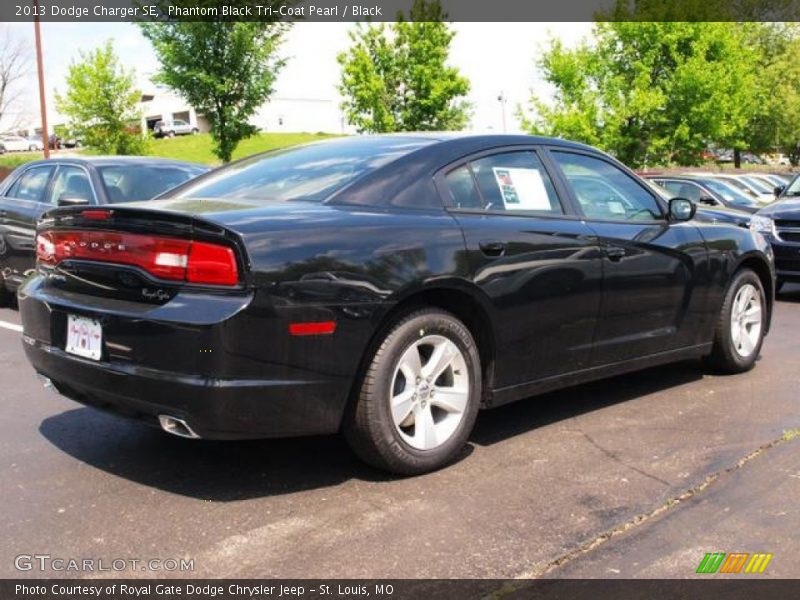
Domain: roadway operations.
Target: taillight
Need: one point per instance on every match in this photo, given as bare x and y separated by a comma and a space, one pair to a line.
173, 259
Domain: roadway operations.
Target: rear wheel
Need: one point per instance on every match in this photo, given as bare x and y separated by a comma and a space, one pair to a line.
171, 134
740, 327
419, 396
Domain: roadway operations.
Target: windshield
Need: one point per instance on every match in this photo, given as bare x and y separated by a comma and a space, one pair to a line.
793, 189
758, 185
129, 183
311, 172
728, 193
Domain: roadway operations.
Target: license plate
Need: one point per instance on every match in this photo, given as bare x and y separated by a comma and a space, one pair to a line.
84, 337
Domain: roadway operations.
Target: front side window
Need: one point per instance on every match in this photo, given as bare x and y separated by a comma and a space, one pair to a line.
512, 181
31, 184
71, 182
684, 189
605, 191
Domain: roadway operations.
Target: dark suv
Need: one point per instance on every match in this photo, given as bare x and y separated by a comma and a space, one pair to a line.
780, 224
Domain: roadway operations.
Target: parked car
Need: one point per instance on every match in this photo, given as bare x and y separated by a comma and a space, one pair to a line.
73, 142
2, 147
38, 186
390, 286
780, 224
173, 128
753, 190
706, 192
35, 143
17, 143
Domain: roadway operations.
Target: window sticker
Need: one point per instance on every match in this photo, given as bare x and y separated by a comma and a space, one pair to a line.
522, 189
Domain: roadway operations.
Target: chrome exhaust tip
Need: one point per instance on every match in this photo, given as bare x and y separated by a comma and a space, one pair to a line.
47, 383
177, 426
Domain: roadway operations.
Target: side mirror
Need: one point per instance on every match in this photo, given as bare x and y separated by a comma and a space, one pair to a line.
681, 209
779, 190
708, 200
72, 201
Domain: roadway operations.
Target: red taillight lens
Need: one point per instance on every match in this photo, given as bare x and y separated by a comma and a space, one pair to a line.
165, 258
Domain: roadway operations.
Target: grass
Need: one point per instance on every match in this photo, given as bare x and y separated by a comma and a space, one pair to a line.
197, 148
192, 148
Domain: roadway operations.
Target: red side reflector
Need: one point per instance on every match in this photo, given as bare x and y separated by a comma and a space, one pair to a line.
96, 215
319, 328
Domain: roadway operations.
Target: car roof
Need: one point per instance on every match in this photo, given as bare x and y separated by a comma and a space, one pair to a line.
114, 161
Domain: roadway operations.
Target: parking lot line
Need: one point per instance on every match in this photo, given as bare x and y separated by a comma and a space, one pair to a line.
11, 326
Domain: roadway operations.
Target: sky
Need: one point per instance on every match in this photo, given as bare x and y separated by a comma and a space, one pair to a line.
498, 58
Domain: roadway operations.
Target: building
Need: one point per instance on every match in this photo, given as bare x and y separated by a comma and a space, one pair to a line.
310, 115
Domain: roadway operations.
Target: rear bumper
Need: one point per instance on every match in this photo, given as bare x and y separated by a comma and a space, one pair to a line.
214, 408
252, 382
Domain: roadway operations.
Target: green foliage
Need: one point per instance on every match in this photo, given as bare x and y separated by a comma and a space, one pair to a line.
226, 70
396, 78
101, 103
653, 92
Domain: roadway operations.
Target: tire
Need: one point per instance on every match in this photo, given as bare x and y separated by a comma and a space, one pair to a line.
171, 134
195, 131
429, 436
738, 353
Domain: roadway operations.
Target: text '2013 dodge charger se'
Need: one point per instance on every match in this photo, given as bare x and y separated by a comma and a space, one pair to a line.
387, 286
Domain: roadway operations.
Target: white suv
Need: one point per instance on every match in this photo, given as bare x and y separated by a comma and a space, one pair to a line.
173, 128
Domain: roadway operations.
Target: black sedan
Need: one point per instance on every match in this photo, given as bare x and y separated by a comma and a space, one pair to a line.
38, 186
779, 222
387, 286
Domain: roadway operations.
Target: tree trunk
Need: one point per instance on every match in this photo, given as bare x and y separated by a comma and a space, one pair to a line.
737, 158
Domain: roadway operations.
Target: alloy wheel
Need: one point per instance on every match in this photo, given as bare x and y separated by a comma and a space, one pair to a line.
429, 392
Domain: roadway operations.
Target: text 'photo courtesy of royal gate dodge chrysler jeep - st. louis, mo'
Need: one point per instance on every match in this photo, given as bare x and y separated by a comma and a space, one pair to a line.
387, 287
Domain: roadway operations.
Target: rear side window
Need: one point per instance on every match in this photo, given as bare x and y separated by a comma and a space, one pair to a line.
511, 181
312, 172
136, 182
31, 184
605, 191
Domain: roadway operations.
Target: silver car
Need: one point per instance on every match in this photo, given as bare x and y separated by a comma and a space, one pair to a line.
171, 128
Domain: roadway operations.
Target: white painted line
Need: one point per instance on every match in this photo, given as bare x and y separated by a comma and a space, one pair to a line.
11, 326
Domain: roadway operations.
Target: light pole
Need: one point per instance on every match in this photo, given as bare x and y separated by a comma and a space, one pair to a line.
503, 100
40, 69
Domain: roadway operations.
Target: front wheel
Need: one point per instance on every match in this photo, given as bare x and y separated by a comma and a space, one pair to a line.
419, 397
740, 327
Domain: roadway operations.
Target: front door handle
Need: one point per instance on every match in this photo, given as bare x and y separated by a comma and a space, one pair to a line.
615, 253
492, 247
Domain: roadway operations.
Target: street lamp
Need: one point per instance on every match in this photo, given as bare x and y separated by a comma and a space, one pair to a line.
40, 69
502, 99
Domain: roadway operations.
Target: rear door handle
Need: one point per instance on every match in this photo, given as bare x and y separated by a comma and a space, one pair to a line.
615, 253
492, 247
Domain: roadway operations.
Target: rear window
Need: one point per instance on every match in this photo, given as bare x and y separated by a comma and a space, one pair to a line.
130, 183
311, 172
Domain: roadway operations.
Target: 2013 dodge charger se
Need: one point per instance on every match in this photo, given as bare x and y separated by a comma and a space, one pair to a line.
388, 286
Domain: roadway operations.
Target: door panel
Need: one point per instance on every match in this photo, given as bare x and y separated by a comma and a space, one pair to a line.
20, 209
652, 290
540, 269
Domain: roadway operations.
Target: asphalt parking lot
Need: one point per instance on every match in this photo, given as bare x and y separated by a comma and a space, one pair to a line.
637, 476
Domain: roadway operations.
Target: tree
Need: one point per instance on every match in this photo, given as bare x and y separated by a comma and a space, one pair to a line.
14, 67
396, 78
776, 127
226, 70
652, 92
102, 102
